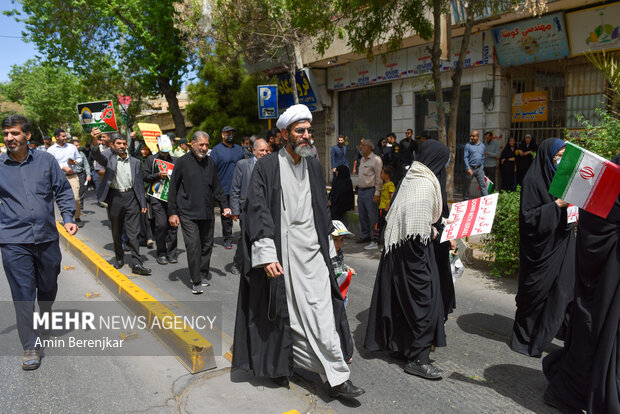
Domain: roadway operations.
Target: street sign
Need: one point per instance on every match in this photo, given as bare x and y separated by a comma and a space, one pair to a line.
267, 101
307, 91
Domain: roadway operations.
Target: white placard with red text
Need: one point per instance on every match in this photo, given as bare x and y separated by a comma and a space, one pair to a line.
471, 217
572, 214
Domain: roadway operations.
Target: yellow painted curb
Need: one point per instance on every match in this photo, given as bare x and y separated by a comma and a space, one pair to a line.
191, 349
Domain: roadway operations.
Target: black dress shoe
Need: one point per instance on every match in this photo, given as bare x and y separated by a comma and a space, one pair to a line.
360, 241
118, 264
172, 259
428, 371
551, 399
141, 270
345, 390
162, 260
281, 381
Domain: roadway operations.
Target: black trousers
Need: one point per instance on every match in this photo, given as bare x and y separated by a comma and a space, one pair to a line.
238, 259
165, 234
227, 225
198, 237
32, 272
123, 208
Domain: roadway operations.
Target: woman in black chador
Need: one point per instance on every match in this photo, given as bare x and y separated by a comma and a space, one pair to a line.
585, 375
525, 157
547, 255
341, 197
435, 156
507, 165
406, 312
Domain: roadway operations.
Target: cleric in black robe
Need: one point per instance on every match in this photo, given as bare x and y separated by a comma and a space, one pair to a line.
547, 256
585, 374
272, 332
435, 156
406, 312
341, 198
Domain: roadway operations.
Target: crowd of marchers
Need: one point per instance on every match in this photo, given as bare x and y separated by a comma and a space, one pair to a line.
291, 308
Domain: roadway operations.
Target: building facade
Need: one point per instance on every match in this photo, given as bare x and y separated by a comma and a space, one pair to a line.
522, 75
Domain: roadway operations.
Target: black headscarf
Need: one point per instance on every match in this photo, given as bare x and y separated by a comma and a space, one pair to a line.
542, 170
435, 156
341, 194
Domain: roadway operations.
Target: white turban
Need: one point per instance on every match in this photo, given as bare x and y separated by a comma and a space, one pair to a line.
293, 114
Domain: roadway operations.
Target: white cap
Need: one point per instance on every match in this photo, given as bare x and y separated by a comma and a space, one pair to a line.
293, 114
340, 228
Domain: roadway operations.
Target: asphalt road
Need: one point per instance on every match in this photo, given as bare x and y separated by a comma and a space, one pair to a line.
482, 374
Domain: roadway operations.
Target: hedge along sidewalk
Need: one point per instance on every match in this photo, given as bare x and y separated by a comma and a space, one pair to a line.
194, 352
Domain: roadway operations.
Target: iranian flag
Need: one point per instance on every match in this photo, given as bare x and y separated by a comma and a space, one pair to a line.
586, 180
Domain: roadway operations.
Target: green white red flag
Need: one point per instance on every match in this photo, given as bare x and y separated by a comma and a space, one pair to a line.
586, 180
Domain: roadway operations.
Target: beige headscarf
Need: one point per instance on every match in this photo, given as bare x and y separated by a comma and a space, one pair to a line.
415, 208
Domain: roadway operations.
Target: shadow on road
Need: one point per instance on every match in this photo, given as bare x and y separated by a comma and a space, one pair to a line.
515, 382
496, 327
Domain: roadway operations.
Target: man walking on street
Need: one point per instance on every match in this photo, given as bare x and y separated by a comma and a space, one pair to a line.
369, 193
30, 181
68, 157
239, 191
82, 169
226, 154
165, 234
193, 186
47, 143
474, 163
339, 154
290, 311
122, 188
408, 149
393, 157
491, 154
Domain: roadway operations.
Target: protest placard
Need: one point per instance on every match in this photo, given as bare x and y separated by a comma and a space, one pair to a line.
99, 115
159, 189
471, 217
150, 132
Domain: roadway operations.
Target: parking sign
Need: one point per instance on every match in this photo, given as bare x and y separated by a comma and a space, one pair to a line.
268, 101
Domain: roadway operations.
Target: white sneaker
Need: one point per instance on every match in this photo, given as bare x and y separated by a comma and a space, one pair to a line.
197, 289
205, 283
372, 246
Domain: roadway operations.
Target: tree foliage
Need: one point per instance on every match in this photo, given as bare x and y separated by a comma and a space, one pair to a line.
224, 95
264, 32
137, 39
48, 93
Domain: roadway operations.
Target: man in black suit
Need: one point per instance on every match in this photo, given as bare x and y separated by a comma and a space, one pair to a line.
239, 191
123, 189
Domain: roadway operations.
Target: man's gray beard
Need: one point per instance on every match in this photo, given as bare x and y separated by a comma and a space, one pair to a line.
200, 155
303, 150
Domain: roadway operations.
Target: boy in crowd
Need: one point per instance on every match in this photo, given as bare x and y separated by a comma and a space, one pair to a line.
342, 271
387, 192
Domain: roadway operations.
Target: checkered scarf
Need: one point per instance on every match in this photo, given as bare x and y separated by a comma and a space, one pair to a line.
416, 206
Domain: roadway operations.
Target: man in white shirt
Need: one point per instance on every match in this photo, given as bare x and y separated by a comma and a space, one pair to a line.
68, 156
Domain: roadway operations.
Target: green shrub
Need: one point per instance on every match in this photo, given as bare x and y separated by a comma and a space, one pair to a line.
603, 138
502, 244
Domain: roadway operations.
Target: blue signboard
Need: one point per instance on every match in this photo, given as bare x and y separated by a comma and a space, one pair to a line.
267, 101
530, 41
305, 91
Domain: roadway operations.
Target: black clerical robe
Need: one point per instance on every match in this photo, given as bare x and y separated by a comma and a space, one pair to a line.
262, 339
